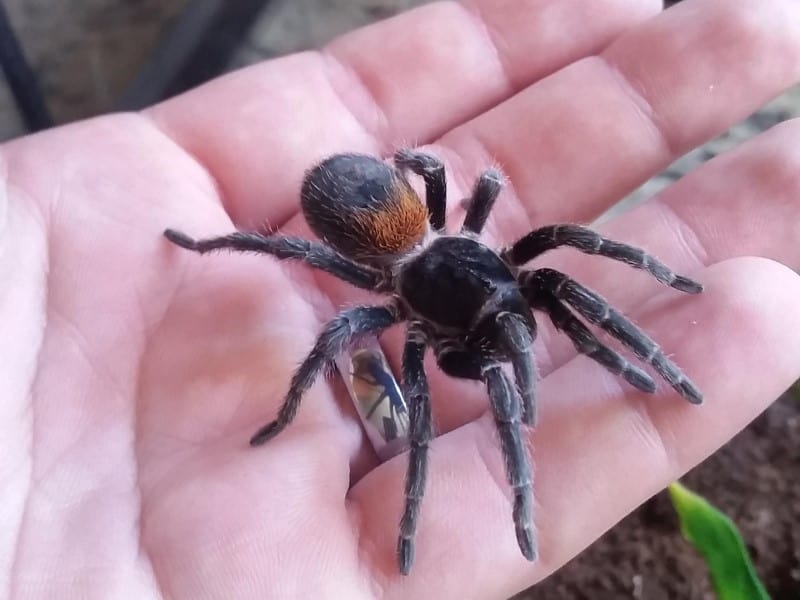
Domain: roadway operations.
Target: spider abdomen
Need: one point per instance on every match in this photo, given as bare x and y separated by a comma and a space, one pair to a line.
362, 207
452, 280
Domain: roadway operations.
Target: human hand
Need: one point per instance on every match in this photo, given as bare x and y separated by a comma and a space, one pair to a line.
133, 372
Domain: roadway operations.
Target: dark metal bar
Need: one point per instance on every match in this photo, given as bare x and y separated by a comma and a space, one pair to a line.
21, 78
199, 47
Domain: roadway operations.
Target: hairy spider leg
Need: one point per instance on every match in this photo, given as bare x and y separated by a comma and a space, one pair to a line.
506, 409
597, 311
483, 197
337, 335
514, 333
585, 240
415, 385
431, 169
314, 254
585, 341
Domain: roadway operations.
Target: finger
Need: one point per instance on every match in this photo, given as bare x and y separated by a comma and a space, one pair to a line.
577, 141
743, 203
599, 450
408, 78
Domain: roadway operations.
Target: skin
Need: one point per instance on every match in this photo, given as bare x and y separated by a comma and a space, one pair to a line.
132, 372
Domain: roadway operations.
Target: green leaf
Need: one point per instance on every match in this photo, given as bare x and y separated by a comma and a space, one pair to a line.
719, 541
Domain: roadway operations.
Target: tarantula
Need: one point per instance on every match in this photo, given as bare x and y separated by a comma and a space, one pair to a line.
469, 303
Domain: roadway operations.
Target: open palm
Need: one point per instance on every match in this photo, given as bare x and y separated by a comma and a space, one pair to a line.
132, 373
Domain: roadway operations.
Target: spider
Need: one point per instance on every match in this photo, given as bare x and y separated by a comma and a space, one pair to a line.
471, 304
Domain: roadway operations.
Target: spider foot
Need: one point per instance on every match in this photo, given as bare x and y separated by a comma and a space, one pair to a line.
684, 284
405, 554
527, 543
639, 379
181, 239
689, 390
266, 433
676, 378
524, 526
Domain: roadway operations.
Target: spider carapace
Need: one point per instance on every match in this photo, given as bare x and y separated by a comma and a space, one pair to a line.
470, 304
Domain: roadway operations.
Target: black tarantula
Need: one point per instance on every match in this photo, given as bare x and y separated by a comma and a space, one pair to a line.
468, 302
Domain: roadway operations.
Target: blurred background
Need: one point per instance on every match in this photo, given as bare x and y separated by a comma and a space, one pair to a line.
64, 61
87, 57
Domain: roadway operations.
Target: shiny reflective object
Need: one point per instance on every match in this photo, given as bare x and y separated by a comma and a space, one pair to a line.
377, 398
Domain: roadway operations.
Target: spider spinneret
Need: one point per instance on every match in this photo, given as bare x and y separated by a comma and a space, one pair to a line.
470, 304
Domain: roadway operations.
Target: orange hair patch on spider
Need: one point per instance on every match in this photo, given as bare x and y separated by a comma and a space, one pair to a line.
397, 225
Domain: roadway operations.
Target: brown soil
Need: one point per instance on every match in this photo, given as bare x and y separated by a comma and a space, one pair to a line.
755, 479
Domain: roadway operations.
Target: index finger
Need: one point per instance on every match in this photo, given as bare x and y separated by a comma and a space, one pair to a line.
409, 78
